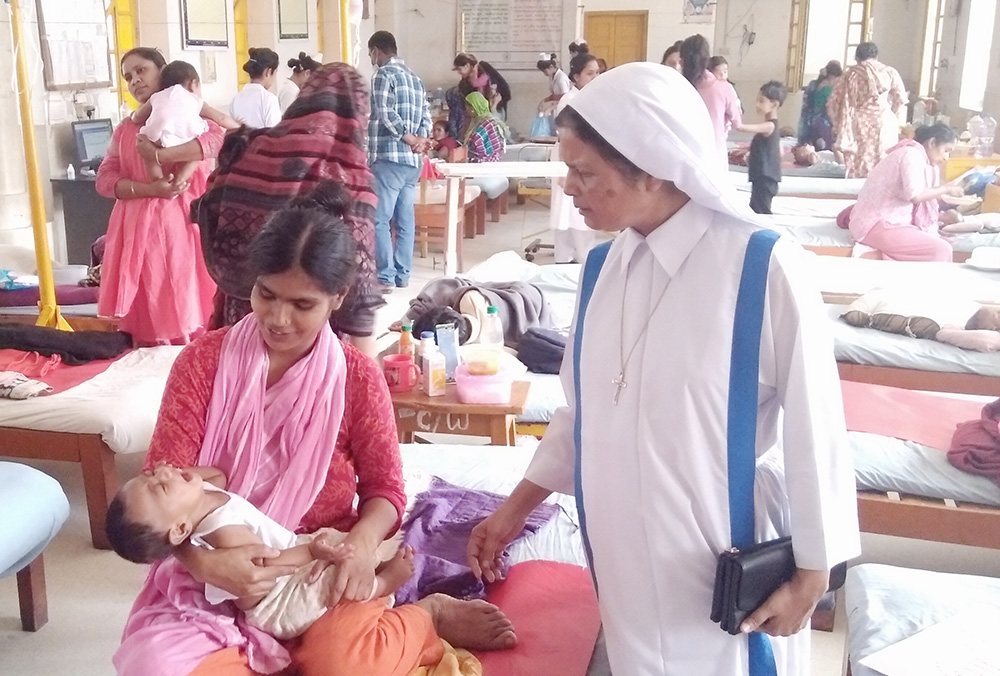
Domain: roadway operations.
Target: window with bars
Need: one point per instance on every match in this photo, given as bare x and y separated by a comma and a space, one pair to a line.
930, 67
858, 27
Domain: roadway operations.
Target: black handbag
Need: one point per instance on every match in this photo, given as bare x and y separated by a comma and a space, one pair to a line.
745, 579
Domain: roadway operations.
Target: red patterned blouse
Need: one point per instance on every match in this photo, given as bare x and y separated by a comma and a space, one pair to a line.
366, 462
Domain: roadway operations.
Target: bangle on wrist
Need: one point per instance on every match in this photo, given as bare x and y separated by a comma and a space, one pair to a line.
156, 155
131, 187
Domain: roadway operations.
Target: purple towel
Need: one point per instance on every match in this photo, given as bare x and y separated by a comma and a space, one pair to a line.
439, 526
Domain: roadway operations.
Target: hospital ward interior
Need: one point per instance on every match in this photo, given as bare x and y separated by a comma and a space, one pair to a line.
487, 284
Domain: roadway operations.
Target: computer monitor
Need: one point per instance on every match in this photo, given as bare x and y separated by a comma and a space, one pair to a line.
92, 140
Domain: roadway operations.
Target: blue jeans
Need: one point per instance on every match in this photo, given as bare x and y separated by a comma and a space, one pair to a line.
396, 188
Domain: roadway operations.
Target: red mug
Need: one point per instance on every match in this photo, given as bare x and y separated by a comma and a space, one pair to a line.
401, 373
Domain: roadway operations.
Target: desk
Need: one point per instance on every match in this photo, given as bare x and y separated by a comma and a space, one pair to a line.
416, 412
956, 166
85, 213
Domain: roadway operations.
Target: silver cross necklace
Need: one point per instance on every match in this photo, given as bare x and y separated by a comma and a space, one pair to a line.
623, 359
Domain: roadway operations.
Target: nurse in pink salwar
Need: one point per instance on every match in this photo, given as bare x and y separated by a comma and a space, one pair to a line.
153, 276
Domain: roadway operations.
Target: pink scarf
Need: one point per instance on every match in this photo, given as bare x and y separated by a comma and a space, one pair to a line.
294, 423
925, 214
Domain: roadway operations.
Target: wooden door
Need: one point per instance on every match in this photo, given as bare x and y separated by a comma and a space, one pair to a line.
616, 37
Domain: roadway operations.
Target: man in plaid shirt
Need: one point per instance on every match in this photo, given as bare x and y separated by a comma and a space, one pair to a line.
398, 135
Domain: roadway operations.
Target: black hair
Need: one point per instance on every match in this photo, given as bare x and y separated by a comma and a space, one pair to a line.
940, 132
672, 49
834, 69
148, 53
430, 320
261, 59
717, 61
694, 57
310, 233
772, 90
578, 63
440, 123
570, 119
131, 540
543, 64
465, 59
304, 62
865, 51
578, 48
384, 41
178, 73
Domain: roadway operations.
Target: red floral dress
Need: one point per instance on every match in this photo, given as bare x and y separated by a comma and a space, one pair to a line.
366, 462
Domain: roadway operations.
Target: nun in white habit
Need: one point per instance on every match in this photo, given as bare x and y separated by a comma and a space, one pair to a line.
654, 383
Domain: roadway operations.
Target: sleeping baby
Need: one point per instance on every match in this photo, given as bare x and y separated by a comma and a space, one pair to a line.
164, 507
965, 324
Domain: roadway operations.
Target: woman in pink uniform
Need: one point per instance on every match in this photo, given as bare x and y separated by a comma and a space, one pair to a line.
897, 210
153, 275
719, 96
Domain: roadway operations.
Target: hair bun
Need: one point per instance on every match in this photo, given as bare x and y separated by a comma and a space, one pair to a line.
328, 196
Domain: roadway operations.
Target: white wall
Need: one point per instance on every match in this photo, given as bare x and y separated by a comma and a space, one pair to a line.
898, 30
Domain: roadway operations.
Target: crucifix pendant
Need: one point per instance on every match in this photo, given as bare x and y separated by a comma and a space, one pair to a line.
620, 384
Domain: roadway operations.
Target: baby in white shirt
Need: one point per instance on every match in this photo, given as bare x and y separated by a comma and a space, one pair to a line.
175, 115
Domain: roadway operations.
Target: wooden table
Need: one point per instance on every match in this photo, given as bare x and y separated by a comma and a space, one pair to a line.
416, 412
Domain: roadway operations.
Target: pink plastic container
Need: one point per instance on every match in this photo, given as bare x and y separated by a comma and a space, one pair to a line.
494, 389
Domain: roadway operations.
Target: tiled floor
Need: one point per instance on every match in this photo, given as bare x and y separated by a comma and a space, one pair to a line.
91, 591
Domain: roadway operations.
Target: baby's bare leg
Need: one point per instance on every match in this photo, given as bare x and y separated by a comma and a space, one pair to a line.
391, 575
184, 170
153, 169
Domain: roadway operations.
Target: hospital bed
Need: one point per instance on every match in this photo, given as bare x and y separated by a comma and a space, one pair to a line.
805, 186
887, 604
113, 412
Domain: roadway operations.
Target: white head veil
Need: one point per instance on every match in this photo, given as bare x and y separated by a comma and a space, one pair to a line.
656, 119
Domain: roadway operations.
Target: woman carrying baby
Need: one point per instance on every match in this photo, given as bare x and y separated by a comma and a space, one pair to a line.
897, 211
153, 275
301, 424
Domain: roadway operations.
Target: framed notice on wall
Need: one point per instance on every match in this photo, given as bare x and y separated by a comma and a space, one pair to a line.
511, 34
205, 24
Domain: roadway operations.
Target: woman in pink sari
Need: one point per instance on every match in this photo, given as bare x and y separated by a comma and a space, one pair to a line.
719, 95
863, 109
153, 275
302, 425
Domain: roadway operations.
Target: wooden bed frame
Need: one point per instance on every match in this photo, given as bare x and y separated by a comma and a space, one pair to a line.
928, 519
913, 379
97, 460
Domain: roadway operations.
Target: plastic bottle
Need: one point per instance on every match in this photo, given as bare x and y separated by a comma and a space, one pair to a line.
406, 345
71, 172
491, 333
432, 368
424, 338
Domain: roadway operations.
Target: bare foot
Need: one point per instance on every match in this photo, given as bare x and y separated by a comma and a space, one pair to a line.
474, 625
391, 575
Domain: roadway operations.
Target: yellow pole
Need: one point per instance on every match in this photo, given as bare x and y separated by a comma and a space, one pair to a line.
345, 31
48, 314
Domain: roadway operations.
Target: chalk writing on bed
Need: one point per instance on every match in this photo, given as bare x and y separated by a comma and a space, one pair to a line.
431, 421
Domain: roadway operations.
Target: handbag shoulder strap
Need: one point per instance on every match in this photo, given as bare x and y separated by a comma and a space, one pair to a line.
744, 374
588, 280
744, 369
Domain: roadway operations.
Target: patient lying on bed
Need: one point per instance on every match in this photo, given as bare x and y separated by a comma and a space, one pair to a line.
161, 509
965, 324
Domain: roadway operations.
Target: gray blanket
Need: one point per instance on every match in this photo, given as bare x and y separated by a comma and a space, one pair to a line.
521, 306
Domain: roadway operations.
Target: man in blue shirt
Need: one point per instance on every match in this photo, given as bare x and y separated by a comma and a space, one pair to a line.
398, 132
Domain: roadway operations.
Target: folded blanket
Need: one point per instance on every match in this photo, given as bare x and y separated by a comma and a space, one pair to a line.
439, 526
975, 446
15, 385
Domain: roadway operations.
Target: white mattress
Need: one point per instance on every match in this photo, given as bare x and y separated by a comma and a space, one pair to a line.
888, 464
886, 604
497, 470
789, 205
120, 404
855, 276
824, 231
544, 396
877, 348
805, 185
